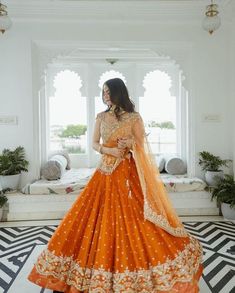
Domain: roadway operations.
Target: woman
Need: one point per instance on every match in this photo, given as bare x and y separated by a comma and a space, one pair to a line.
122, 233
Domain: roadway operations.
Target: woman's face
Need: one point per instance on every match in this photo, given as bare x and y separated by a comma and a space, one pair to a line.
106, 95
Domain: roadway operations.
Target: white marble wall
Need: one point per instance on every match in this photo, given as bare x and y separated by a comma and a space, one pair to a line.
205, 60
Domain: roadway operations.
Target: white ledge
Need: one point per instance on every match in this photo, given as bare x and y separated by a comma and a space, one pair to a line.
41, 207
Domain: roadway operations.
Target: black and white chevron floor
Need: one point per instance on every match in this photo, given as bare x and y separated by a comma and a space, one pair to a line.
20, 247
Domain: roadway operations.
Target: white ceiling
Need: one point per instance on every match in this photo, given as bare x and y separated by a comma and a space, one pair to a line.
114, 10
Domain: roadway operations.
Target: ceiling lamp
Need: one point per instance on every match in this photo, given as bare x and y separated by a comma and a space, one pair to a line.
211, 21
5, 21
111, 60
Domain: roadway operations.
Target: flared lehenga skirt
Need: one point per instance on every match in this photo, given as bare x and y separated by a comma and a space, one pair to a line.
104, 244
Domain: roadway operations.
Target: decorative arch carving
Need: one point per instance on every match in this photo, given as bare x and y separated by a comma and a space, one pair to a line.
110, 74
75, 79
153, 72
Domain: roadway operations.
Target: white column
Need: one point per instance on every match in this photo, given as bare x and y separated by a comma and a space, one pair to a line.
90, 114
44, 135
190, 134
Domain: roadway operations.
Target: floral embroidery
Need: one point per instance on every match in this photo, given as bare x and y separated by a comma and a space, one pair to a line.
108, 164
162, 222
162, 276
122, 127
111, 132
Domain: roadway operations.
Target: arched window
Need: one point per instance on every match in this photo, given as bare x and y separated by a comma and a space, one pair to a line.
99, 105
68, 114
158, 109
74, 98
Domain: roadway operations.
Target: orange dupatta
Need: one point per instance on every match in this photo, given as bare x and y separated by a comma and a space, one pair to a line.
157, 206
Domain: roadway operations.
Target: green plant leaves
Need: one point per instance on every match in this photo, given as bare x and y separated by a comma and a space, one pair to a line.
209, 162
13, 162
224, 191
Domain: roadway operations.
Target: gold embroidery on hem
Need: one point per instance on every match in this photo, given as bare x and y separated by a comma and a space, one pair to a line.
162, 222
162, 277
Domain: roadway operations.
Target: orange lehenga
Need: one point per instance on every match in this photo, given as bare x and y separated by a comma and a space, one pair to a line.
121, 234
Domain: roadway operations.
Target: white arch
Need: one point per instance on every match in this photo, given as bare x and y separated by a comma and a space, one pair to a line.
67, 79
166, 80
110, 74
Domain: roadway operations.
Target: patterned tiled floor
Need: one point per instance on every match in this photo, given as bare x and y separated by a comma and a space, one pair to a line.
21, 245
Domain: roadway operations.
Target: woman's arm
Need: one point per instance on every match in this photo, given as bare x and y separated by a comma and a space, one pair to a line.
96, 137
116, 152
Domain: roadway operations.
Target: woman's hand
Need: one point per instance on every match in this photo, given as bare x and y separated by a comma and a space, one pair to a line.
117, 152
125, 142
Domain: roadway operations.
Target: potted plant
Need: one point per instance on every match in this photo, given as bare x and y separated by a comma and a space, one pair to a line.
12, 163
224, 192
3, 200
212, 164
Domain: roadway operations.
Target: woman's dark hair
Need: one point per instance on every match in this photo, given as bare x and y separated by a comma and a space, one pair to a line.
119, 96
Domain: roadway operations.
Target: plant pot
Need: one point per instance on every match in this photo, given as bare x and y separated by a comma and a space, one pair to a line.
10, 181
227, 211
212, 177
1, 213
